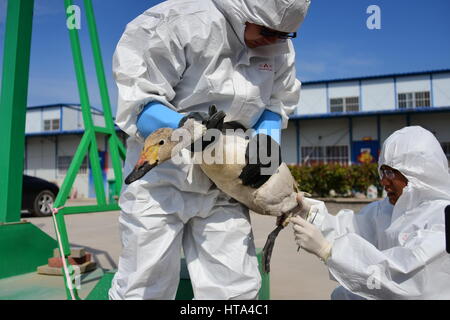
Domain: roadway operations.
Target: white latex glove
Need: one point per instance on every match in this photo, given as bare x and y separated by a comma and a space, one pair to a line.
310, 238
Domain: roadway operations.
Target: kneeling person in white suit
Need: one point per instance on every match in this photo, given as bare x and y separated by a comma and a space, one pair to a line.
393, 248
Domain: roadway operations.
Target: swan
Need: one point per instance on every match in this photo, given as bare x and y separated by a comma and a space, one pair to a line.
220, 154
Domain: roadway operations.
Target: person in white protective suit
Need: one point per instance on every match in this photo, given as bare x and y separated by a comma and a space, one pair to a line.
172, 62
393, 248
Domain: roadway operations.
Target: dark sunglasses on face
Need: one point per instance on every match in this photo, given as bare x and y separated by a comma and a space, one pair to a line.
388, 173
277, 34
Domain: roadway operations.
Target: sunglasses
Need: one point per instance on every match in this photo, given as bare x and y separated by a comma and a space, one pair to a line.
388, 173
277, 34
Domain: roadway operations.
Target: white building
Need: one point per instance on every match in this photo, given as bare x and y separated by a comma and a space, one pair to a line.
52, 135
336, 121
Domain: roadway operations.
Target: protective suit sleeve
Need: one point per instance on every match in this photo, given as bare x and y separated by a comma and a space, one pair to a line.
148, 63
396, 273
286, 89
364, 223
360, 267
270, 124
155, 116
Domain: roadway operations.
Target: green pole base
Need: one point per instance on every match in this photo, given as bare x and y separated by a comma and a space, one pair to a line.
264, 292
23, 247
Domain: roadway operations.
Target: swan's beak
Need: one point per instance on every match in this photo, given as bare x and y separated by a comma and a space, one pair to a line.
147, 161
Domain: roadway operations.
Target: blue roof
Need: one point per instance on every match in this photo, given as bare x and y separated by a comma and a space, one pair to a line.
394, 75
64, 105
369, 113
61, 132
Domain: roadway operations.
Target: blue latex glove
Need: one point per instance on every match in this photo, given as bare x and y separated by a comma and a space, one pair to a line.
270, 124
155, 116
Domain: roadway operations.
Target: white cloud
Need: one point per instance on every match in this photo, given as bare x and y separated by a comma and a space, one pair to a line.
359, 61
312, 67
43, 90
48, 90
332, 60
311, 70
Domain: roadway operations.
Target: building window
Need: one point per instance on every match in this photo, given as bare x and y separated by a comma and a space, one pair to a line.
51, 125
352, 104
47, 125
325, 154
337, 105
348, 104
55, 124
422, 99
337, 154
414, 99
312, 155
64, 164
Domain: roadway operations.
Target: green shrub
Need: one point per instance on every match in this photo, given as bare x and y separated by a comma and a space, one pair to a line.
320, 179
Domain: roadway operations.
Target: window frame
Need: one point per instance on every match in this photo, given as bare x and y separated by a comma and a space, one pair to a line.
344, 104
47, 125
413, 99
335, 103
56, 124
325, 154
52, 124
62, 169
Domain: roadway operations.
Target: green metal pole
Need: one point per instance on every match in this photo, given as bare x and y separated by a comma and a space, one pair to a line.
65, 189
86, 111
99, 64
60, 201
117, 164
13, 106
122, 151
113, 141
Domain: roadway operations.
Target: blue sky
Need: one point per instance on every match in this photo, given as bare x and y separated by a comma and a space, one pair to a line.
334, 42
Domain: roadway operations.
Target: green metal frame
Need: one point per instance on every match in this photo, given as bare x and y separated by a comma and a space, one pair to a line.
88, 142
32, 247
13, 105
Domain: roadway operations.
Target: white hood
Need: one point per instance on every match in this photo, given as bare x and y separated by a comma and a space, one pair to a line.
280, 15
417, 154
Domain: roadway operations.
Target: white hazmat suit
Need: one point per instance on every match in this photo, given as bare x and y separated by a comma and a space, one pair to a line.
188, 55
396, 252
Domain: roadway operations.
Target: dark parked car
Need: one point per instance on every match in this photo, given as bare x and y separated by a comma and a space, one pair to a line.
38, 196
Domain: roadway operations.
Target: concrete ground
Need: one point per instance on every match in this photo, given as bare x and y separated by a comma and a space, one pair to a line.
294, 275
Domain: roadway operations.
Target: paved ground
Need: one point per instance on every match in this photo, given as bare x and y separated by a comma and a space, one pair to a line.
293, 275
